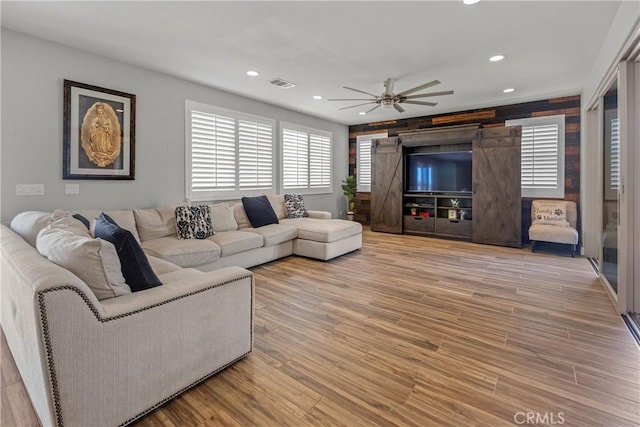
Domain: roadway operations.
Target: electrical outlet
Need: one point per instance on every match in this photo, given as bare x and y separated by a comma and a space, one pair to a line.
341, 212
72, 189
29, 189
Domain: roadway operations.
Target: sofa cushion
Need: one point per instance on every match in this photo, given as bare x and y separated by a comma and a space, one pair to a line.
274, 234
135, 266
324, 230
155, 223
94, 261
277, 203
161, 266
185, 253
241, 216
554, 233
259, 211
222, 217
194, 222
124, 218
232, 242
28, 224
294, 203
181, 274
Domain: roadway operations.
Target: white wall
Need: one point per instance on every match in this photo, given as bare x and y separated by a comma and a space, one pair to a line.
33, 71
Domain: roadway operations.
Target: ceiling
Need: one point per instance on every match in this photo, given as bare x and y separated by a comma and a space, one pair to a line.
550, 47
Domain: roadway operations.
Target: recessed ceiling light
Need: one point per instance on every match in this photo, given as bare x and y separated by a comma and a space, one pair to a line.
362, 113
317, 96
470, 1
496, 58
509, 90
253, 73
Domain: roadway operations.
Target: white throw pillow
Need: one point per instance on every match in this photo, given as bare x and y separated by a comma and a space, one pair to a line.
553, 213
94, 261
222, 217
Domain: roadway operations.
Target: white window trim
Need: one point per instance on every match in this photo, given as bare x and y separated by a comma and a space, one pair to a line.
559, 120
360, 140
305, 190
224, 194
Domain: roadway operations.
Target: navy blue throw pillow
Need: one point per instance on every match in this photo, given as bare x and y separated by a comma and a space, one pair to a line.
83, 220
135, 266
259, 211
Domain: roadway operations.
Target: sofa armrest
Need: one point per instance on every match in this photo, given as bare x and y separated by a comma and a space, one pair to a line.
319, 214
147, 347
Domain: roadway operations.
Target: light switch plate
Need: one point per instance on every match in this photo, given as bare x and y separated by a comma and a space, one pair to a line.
29, 189
72, 189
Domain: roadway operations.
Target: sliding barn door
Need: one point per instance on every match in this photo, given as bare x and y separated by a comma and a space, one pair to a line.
386, 185
497, 205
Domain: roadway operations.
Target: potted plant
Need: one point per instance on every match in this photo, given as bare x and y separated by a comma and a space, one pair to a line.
349, 188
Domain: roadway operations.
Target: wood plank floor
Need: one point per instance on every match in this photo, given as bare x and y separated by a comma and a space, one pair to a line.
414, 331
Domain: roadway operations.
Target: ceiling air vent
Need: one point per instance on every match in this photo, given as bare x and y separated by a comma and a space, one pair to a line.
282, 83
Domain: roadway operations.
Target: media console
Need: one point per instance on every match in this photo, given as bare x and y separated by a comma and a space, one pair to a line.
438, 215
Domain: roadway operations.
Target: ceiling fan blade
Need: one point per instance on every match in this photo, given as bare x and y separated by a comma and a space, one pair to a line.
417, 88
398, 108
361, 91
354, 106
351, 99
377, 106
388, 84
431, 104
424, 95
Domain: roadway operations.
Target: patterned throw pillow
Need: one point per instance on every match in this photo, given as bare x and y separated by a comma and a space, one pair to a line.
194, 222
553, 213
294, 203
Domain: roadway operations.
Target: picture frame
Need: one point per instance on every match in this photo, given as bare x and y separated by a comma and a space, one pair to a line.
452, 214
98, 133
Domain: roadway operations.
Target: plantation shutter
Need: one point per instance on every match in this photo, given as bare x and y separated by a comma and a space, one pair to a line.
306, 159
295, 159
213, 152
540, 156
615, 154
363, 160
229, 154
319, 161
255, 155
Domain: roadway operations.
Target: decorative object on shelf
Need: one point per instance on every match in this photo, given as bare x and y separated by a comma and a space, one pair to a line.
99, 133
350, 189
414, 211
455, 203
425, 214
462, 214
453, 214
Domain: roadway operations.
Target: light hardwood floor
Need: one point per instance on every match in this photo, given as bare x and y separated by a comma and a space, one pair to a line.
416, 331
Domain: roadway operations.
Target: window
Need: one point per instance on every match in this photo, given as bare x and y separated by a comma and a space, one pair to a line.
229, 154
363, 160
542, 156
306, 159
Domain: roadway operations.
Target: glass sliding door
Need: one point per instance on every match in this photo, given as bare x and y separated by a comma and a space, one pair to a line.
611, 185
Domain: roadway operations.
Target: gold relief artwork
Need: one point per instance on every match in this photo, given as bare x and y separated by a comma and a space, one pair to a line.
100, 135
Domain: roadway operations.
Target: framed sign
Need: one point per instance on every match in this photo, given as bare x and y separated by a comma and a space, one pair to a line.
99, 133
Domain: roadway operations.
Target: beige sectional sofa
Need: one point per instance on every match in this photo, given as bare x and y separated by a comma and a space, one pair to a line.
90, 362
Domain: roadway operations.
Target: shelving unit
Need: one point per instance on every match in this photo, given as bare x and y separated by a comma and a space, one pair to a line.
438, 215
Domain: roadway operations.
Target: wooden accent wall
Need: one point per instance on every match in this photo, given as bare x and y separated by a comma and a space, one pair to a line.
488, 117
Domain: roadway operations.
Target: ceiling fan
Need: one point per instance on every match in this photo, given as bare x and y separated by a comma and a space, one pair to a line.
390, 99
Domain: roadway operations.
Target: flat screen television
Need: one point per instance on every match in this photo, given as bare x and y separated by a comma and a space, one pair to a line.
438, 172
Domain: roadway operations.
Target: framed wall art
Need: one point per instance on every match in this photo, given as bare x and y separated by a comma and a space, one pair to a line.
99, 133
